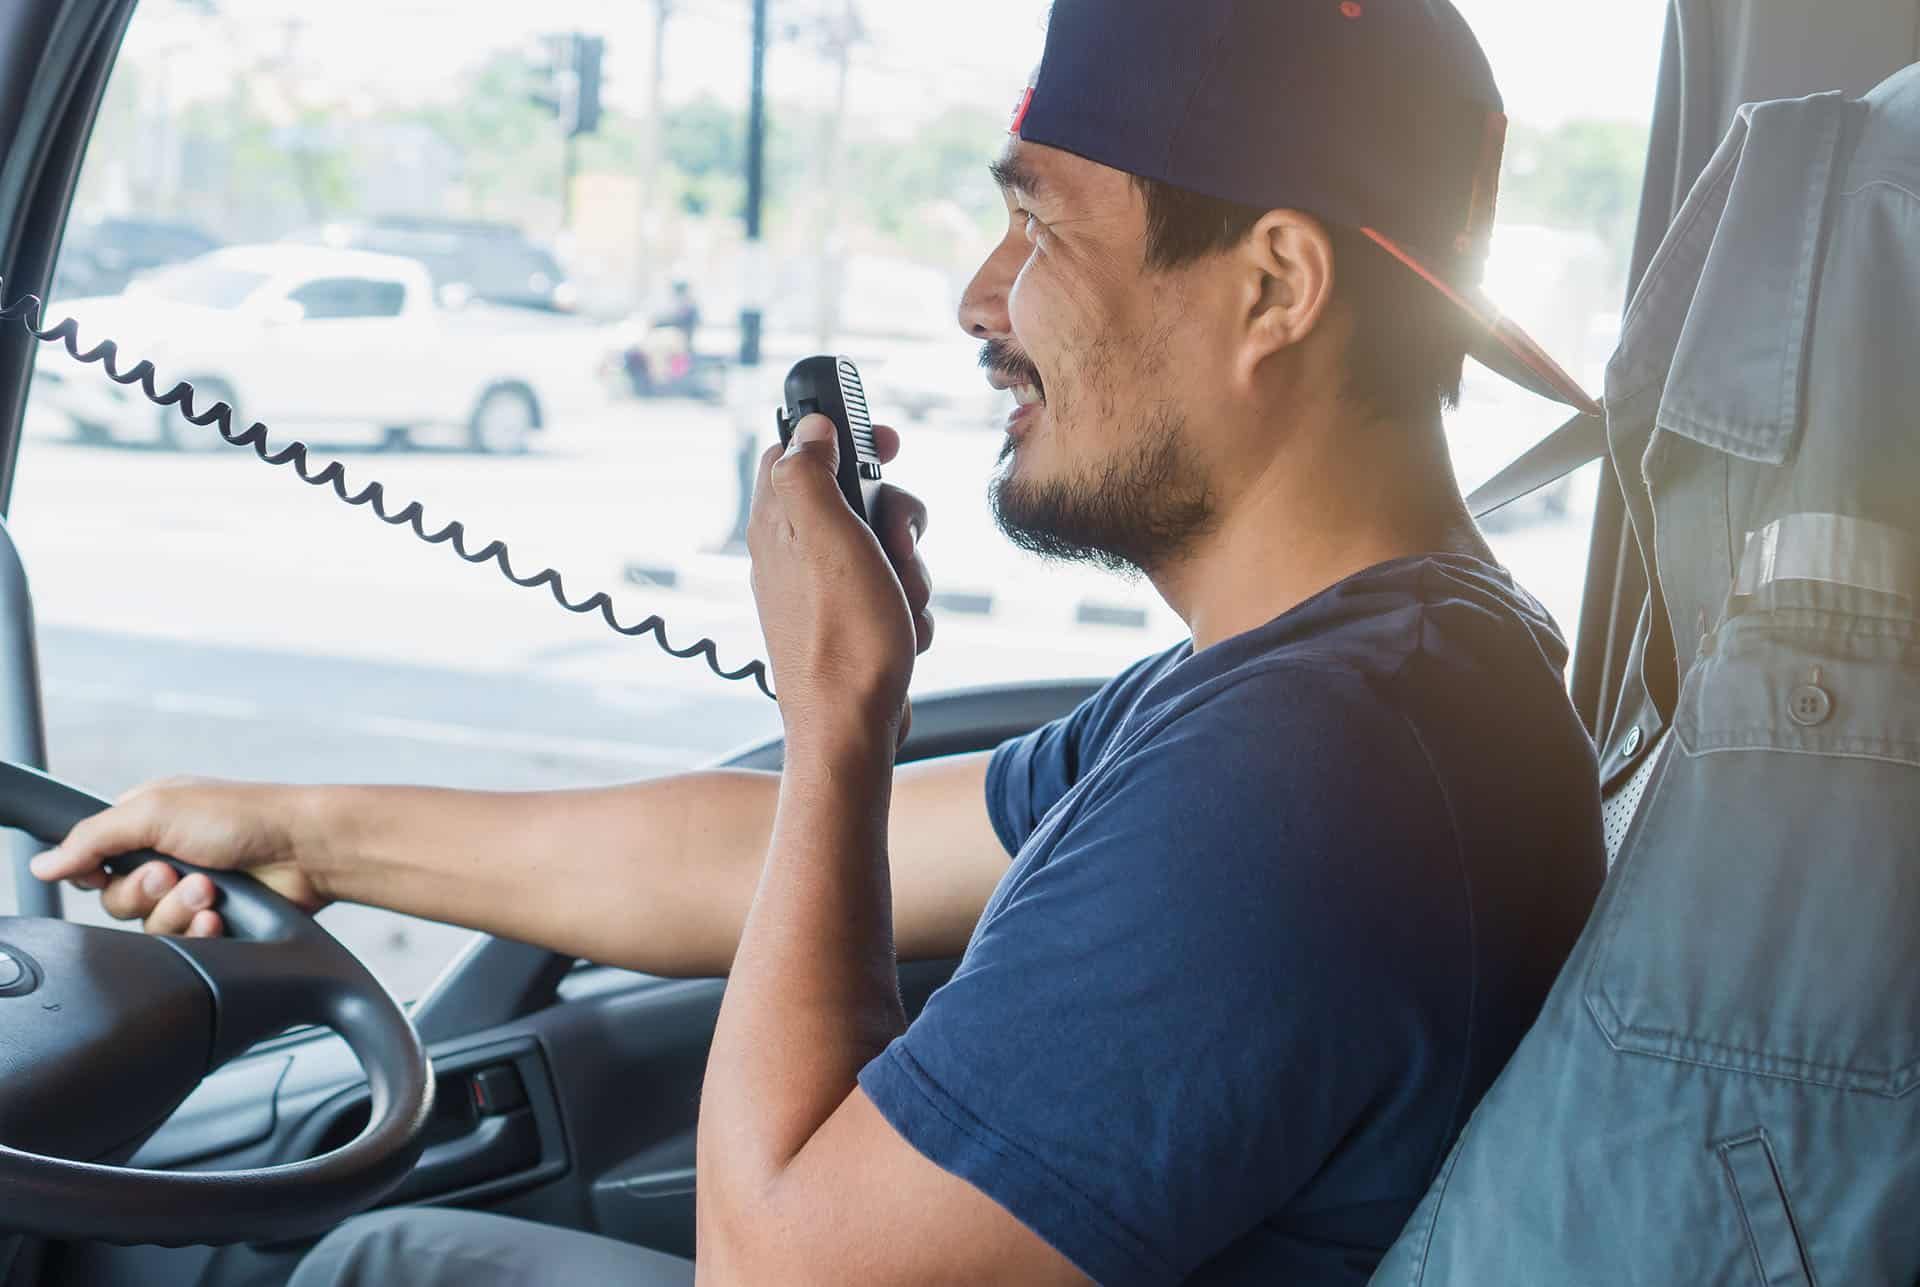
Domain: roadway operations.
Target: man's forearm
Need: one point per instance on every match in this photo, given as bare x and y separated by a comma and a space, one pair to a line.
654, 876
815, 991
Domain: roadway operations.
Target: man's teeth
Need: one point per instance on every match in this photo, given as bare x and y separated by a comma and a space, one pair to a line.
1026, 395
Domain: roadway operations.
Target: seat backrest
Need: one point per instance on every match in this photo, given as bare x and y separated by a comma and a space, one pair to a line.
1618, 807
1723, 1088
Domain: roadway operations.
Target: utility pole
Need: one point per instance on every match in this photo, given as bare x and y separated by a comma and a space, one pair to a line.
569, 169
746, 436
651, 203
756, 179
840, 33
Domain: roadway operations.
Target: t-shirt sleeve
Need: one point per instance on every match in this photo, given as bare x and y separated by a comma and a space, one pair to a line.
1229, 959
1028, 775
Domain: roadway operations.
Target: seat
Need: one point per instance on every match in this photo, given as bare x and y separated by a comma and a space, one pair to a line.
1720, 1089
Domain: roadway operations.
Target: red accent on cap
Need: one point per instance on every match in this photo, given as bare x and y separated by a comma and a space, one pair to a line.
1351, 9
1020, 112
1516, 342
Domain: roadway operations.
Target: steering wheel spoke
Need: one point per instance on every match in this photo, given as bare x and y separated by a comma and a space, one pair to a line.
261, 989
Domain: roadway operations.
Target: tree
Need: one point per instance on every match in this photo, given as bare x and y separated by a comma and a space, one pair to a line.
1581, 174
511, 161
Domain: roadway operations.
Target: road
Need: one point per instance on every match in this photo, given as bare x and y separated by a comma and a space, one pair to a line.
206, 614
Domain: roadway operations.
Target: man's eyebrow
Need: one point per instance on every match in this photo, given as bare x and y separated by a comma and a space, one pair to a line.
1013, 174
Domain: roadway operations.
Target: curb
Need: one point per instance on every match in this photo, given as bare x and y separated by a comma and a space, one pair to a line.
723, 576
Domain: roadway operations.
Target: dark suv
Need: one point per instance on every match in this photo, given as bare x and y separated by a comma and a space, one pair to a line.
494, 263
101, 256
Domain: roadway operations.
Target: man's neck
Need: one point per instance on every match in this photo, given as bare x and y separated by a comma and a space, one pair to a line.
1326, 507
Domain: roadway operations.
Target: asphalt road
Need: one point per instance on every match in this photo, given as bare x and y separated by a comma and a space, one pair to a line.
205, 614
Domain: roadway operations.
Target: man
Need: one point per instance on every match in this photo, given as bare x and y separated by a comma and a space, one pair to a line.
1281, 901
681, 314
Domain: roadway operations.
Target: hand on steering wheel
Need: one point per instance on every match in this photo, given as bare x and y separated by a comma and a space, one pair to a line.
106, 1032
225, 826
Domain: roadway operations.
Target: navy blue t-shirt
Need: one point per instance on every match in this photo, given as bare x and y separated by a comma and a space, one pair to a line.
1278, 914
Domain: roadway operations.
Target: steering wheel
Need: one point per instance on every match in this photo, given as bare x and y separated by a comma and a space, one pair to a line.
104, 1032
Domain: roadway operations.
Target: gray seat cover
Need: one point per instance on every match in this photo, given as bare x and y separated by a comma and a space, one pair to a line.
1721, 1087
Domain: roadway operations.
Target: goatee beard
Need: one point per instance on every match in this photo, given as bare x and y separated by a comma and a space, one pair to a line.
1145, 510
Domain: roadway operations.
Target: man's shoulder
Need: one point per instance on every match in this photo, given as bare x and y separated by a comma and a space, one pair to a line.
1286, 733
1257, 701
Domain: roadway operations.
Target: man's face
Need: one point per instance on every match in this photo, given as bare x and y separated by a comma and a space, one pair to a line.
1099, 462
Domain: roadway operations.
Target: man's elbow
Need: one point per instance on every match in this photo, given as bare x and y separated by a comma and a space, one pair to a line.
763, 1239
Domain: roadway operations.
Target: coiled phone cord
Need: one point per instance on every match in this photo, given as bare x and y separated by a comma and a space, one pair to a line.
27, 311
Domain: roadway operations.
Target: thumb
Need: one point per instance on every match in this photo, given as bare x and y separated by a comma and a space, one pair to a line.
815, 434
808, 474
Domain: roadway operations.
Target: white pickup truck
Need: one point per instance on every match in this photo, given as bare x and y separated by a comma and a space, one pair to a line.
323, 344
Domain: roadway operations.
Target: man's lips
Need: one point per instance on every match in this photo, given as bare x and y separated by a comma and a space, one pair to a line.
1028, 407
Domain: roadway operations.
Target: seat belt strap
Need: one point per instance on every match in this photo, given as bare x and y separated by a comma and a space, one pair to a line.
1580, 441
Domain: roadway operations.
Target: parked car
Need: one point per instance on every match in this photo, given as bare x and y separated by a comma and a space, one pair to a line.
100, 256
316, 342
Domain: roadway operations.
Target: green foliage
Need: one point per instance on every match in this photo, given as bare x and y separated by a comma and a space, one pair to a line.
1582, 174
705, 138
944, 160
508, 145
258, 176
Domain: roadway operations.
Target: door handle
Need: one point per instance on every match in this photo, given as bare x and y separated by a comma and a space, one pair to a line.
496, 1148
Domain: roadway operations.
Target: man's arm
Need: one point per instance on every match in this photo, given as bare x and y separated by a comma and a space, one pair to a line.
801, 1180
654, 876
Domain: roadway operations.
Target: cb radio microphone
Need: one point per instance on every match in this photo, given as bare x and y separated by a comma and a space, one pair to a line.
830, 386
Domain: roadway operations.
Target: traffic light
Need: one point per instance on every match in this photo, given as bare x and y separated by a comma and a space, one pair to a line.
566, 80
585, 118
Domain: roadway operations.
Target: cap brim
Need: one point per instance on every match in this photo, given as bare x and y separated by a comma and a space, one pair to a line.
1498, 344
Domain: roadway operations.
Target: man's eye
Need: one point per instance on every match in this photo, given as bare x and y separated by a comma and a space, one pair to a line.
1033, 225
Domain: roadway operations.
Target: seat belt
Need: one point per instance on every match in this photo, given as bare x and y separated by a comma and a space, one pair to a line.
1580, 441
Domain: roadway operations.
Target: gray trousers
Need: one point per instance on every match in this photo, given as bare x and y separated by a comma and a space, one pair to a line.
433, 1247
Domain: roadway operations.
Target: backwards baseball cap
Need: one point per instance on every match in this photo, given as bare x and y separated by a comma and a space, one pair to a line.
1379, 114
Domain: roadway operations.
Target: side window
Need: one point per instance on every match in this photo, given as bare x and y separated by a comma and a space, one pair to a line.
1569, 200
336, 298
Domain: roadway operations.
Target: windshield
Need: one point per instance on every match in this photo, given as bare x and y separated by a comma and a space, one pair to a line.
202, 283
204, 613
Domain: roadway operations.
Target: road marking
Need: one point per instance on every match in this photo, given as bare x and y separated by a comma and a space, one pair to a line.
493, 739
639, 754
203, 704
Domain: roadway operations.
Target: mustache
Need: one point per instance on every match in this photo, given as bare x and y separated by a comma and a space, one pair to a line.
1002, 358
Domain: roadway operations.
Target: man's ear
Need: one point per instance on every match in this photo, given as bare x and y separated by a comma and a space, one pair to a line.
1289, 273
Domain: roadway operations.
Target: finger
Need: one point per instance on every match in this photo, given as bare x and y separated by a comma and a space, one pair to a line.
916, 582
764, 504
176, 911
886, 443
768, 459
207, 924
134, 896
922, 631
88, 882
94, 840
902, 522
906, 724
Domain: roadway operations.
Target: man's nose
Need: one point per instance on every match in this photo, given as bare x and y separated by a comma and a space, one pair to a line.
983, 306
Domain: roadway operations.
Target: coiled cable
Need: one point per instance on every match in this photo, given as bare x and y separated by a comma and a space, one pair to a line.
27, 311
